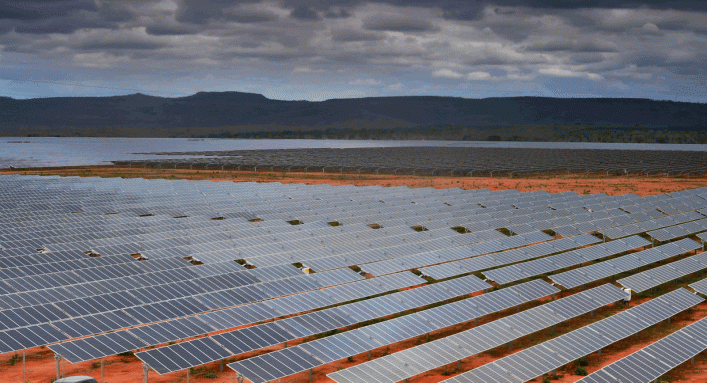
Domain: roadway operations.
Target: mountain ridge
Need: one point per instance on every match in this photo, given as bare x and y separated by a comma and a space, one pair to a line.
240, 112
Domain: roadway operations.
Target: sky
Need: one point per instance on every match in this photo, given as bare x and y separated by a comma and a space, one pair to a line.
323, 49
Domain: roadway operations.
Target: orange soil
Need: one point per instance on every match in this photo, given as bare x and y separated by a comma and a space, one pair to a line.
40, 364
611, 185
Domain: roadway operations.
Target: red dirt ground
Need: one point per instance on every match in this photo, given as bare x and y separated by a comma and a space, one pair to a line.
40, 364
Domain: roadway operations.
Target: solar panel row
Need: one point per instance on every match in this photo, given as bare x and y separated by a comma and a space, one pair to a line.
163, 332
532, 362
506, 257
269, 334
279, 364
597, 271
520, 271
419, 359
654, 360
670, 272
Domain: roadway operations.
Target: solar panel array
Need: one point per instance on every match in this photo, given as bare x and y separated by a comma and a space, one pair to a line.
433, 257
677, 231
528, 269
650, 225
116, 311
127, 264
200, 324
532, 362
700, 286
438, 160
279, 364
240, 341
654, 360
597, 271
419, 359
666, 273
450, 269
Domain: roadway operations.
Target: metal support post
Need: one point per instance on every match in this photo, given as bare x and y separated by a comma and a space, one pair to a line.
692, 361
369, 354
510, 345
102, 373
145, 369
427, 338
58, 368
285, 344
188, 374
476, 321
553, 296
459, 365
591, 314
221, 365
518, 308
240, 378
599, 352
23, 367
668, 320
310, 374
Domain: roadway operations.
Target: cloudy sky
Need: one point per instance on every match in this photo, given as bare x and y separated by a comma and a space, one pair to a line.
322, 49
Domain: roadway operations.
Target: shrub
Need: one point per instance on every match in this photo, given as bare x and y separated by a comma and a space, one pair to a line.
580, 371
582, 362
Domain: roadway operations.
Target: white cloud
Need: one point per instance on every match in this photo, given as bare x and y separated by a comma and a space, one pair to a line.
447, 73
476, 76
397, 86
365, 82
98, 60
559, 72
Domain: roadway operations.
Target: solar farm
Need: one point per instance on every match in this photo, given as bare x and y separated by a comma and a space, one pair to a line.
436, 160
161, 280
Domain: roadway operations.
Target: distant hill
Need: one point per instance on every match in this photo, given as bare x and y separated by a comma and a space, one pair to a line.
233, 113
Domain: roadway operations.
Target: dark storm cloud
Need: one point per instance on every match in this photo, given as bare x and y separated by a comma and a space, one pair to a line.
573, 46
28, 10
349, 35
131, 44
430, 42
171, 30
201, 11
304, 13
397, 23
340, 14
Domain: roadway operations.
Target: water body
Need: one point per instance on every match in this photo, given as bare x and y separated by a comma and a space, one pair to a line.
61, 151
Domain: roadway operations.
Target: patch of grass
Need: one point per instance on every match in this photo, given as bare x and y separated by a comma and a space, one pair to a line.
13, 360
460, 229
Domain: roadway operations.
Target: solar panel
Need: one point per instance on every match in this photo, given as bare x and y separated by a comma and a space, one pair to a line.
656, 359
520, 271
447, 350
587, 274
269, 334
670, 272
353, 342
559, 351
